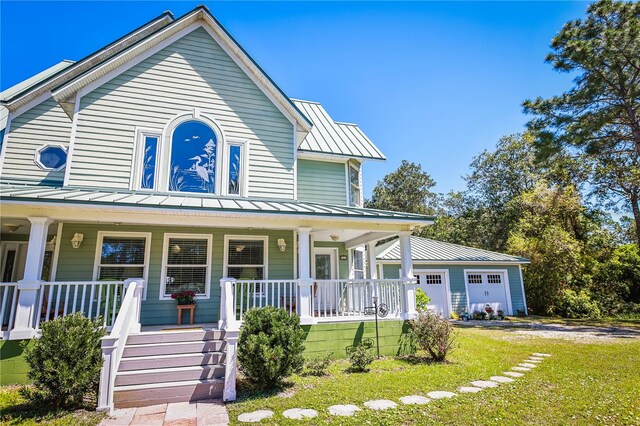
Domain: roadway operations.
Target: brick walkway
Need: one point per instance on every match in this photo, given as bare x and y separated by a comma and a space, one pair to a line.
200, 413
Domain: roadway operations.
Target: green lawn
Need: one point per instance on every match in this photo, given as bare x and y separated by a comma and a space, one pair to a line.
15, 410
582, 383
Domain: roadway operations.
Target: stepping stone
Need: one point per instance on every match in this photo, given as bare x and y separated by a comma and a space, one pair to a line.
440, 394
343, 410
414, 400
501, 379
513, 374
527, 365
300, 413
380, 404
484, 384
533, 361
469, 389
537, 358
540, 355
520, 368
255, 416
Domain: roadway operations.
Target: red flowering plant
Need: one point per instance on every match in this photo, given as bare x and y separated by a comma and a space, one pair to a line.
186, 297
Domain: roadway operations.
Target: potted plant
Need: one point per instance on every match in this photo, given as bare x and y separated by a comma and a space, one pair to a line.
465, 316
488, 309
186, 297
500, 315
477, 315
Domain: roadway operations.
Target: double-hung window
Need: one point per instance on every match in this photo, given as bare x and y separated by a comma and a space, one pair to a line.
357, 264
246, 258
354, 185
122, 255
186, 264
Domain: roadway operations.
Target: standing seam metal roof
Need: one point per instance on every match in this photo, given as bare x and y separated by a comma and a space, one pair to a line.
425, 249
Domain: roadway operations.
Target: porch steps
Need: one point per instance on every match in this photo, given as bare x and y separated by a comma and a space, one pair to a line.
170, 366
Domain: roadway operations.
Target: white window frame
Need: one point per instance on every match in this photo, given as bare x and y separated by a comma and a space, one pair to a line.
147, 253
38, 162
358, 167
352, 270
507, 290
265, 254
136, 175
244, 167
165, 151
165, 259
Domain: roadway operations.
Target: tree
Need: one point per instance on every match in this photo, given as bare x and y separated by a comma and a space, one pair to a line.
408, 189
599, 117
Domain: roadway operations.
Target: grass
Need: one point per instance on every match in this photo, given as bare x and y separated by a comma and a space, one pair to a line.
582, 383
16, 410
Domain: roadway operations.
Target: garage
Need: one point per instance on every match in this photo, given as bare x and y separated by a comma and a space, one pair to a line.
487, 288
436, 284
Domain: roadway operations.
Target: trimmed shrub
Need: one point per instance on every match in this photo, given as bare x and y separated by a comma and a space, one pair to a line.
361, 357
578, 305
433, 334
65, 362
270, 345
422, 300
317, 366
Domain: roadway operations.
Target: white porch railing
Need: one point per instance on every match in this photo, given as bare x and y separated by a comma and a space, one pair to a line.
92, 298
127, 321
259, 293
8, 302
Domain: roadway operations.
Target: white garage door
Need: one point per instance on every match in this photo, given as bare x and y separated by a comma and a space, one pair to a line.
487, 288
434, 284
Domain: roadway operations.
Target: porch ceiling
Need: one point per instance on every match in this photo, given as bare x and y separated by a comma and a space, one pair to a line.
87, 204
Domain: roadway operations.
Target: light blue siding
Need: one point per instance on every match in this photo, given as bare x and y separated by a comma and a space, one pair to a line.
322, 182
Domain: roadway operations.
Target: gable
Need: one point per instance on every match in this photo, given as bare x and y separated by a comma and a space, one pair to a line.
192, 72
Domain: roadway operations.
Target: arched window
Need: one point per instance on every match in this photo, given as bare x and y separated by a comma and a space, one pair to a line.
192, 160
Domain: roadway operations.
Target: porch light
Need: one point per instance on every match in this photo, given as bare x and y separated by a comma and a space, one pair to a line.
282, 245
77, 240
334, 237
11, 227
52, 244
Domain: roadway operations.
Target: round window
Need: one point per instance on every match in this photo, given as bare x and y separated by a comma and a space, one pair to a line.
51, 157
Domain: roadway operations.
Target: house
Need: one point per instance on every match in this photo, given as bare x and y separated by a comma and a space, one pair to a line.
170, 161
458, 278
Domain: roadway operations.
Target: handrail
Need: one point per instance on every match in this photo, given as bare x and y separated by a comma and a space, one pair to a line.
126, 322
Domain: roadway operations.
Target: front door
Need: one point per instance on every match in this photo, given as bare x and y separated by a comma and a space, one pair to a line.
325, 268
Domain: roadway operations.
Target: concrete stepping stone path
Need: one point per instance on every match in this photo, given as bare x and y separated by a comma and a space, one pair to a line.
518, 368
484, 384
527, 365
380, 404
343, 410
501, 379
440, 394
255, 416
300, 413
414, 400
513, 374
469, 389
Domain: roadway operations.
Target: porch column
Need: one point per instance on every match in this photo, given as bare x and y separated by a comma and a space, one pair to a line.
406, 264
28, 298
305, 283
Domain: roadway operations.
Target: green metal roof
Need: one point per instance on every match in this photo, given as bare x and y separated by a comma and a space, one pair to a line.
48, 194
432, 251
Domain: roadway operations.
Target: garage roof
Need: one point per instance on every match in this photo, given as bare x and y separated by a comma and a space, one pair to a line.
432, 251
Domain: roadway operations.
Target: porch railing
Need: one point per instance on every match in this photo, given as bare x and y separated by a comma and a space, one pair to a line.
93, 298
8, 303
259, 293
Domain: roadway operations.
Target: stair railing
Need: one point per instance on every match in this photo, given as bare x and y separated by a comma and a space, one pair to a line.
231, 327
127, 322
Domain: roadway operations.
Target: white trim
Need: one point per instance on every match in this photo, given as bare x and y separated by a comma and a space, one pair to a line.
56, 253
38, 162
447, 287
31, 104
72, 141
295, 162
334, 254
244, 167
524, 296
140, 134
351, 259
13, 245
147, 252
164, 157
335, 158
5, 141
450, 262
265, 254
505, 274
295, 253
349, 165
165, 258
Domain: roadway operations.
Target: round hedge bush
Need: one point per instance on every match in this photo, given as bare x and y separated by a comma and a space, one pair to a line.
270, 345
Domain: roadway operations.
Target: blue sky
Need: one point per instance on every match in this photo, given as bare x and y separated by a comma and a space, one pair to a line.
431, 82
